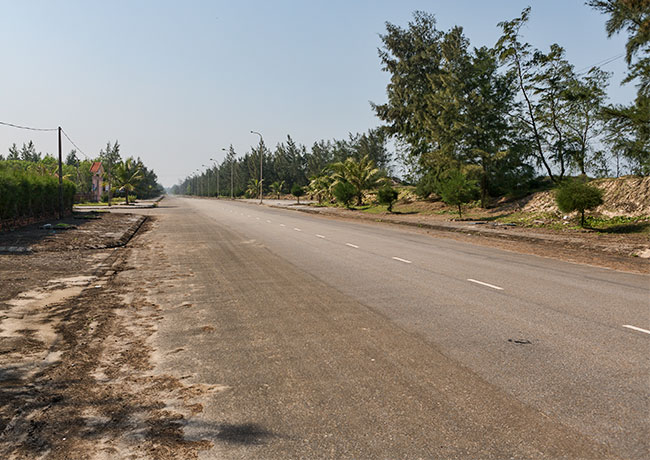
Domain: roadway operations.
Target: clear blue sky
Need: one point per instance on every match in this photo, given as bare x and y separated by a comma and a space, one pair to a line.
177, 81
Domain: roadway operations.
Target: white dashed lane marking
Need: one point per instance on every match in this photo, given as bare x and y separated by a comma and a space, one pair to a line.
319, 236
402, 260
297, 229
352, 245
485, 284
638, 329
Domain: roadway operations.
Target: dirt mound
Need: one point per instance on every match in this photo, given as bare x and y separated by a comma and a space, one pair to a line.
624, 196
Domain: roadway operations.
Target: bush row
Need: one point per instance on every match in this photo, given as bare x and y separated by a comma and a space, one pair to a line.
24, 194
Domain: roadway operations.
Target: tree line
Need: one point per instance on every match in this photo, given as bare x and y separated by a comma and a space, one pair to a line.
491, 117
288, 165
500, 114
126, 177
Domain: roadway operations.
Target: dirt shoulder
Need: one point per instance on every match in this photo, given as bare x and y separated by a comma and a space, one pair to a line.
618, 251
76, 324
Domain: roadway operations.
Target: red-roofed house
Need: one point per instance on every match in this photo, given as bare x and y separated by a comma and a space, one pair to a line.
98, 177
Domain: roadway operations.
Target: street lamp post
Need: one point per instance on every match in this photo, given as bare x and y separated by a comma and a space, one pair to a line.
261, 158
207, 168
217, 168
232, 176
198, 182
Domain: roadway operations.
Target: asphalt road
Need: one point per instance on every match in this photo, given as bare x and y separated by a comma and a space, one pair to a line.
342, 340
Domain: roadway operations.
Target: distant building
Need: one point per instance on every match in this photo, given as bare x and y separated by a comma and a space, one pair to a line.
97, 171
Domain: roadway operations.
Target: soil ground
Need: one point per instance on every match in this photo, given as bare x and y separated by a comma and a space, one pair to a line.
76, 373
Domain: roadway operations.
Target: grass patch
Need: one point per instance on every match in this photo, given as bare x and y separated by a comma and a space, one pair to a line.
372, 209
619, 224
64, 226
103, 203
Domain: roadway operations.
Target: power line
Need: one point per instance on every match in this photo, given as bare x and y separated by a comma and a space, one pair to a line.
75, 145
601, 63
27, 127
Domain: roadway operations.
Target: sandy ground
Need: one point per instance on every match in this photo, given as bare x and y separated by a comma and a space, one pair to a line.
76, 373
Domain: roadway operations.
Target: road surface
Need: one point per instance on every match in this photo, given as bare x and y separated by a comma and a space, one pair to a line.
334, 339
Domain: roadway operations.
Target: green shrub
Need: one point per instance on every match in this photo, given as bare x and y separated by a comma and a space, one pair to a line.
455, 189
387, 195
344, 192
426, 186
297, 191
577, 195
27, 194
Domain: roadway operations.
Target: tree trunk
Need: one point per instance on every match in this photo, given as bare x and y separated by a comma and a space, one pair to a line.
460, 212
536, 134
484, 188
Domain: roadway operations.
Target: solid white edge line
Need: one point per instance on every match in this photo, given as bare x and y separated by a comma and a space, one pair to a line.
352, 245
485, 284
319, 236
636, 328
297, 229
402, 260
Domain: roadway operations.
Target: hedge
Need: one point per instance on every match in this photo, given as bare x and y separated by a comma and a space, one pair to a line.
25, 194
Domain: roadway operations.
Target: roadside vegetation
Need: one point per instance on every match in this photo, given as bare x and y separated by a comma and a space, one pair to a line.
122, 177
29, 193
474, 128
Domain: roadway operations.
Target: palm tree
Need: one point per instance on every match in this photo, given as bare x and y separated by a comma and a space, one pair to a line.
320, 187
253, 188
362, 175
276, 187
128, 175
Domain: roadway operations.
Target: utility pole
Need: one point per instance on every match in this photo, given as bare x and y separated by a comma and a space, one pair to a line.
261, 158
60, 178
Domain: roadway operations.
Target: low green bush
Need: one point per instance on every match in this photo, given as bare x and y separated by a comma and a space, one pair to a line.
578, 195
26, 194
344, 192
297, 191
387, 195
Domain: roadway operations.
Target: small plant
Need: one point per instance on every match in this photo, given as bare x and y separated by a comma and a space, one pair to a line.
577, 195
344, 192
456, 189
297, 191
387, 195
64, 226
276, 188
